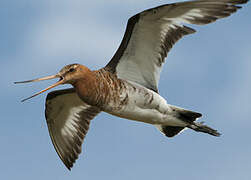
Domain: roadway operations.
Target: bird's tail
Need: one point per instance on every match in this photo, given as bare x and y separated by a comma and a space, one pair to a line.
188, 117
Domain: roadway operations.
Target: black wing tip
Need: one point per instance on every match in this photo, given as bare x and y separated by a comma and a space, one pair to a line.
68, 162
69, 158
240, 2
235, 3
69, 167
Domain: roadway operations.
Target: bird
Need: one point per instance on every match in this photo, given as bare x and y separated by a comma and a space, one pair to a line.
127, 86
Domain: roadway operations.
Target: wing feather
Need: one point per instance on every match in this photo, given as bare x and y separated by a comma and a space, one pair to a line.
152, 33
68, 119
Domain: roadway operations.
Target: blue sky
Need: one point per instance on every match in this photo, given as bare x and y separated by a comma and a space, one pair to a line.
208, 72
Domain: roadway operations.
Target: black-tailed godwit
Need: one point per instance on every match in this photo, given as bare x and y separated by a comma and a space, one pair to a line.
128, 85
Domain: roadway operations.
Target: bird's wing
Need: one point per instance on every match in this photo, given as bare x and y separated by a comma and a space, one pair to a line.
68, 119
151, 34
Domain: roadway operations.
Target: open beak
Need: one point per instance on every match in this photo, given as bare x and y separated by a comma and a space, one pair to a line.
61, 81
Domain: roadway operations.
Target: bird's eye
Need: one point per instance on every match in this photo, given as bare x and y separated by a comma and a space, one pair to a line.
71, 70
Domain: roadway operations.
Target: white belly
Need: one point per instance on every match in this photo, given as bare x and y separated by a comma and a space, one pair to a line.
146, 106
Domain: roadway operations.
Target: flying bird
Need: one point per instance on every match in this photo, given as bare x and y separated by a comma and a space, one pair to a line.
127, 86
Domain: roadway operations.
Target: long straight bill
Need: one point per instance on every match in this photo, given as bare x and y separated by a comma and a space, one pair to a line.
50, 87
39, 79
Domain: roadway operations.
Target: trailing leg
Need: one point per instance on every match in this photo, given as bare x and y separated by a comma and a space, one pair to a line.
189, 118
203, 128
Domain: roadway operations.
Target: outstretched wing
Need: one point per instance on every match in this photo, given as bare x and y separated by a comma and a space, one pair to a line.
68, 119
151, 34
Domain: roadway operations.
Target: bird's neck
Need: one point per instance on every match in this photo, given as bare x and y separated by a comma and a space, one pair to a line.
97, 88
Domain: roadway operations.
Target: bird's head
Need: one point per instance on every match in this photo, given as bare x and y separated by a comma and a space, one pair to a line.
69, 74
